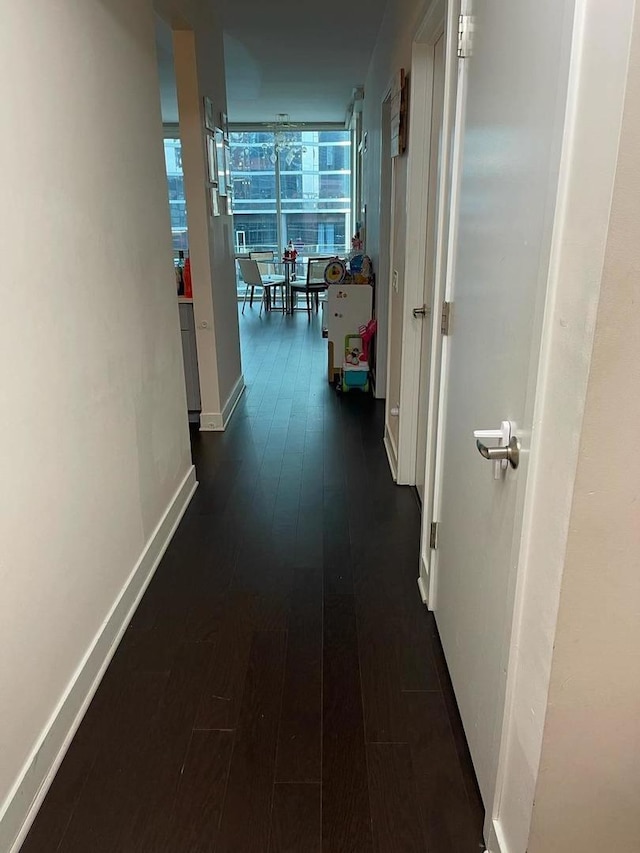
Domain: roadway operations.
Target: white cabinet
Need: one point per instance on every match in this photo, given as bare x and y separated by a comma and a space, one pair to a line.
190, 357
348, 307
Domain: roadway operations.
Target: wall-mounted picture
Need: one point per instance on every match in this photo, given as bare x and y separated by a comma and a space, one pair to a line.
227, 172
212, 159
214, 202
220, 157
209, 114
399, 96
224, 124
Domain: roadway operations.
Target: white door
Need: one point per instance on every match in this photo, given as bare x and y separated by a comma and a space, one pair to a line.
509, 129
435, 158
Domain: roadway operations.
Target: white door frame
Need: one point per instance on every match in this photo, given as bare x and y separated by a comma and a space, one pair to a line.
596, 88
597, 81
441, 17
387, 226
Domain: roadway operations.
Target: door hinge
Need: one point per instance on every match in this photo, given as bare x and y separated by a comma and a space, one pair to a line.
465, 35
445, 320
433, 535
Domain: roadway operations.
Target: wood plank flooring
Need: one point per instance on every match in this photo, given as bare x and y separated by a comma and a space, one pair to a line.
281, 688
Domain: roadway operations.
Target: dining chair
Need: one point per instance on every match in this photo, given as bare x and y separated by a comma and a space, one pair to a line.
266, 265
254, 278
260, 257
314, 284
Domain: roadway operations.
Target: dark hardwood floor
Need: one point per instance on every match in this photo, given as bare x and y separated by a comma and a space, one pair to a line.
281, 688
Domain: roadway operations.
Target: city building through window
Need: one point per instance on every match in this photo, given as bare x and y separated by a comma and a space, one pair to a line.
293, 186
177, 203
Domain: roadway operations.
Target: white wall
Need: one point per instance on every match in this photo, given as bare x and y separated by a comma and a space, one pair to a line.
588, 791
199, 65
94, 443
392, 52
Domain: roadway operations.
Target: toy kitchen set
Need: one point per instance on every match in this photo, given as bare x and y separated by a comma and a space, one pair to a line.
347, 320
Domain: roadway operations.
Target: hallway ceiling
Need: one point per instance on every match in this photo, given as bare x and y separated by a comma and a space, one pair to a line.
300, 58
167, 73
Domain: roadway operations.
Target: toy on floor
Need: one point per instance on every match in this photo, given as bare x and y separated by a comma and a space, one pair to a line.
355, 367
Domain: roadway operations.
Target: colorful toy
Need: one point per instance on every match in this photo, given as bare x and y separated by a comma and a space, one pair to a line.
335, 271
355, 368
367, 332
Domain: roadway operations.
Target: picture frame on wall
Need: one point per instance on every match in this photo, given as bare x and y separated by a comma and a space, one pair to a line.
212, 159
209, 114
399, 108
220, 159
214, 201
224, 124
227, 172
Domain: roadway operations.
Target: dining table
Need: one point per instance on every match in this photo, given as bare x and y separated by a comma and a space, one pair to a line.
290, 270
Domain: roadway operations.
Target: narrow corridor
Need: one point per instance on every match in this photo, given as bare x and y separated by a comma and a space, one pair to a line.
281, 686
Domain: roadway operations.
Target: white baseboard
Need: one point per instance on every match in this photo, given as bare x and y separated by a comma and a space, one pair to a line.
423, 591
25, 798
392, 456
423, 581
211, 422
218, 421
232, 401
497, 842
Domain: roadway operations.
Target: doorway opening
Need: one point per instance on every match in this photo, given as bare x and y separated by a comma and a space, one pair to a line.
178, 214
293, 195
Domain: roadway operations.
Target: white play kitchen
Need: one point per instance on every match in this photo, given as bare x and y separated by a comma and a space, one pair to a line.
347, 310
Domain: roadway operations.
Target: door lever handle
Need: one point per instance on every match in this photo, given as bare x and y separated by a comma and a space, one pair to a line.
510, 452
423, 311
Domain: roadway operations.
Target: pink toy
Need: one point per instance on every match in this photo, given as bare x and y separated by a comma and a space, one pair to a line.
367, 332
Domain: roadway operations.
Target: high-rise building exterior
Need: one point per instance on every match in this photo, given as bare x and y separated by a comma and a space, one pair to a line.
311, 207
175, 186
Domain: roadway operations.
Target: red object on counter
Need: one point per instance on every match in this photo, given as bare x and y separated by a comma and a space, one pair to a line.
188, 289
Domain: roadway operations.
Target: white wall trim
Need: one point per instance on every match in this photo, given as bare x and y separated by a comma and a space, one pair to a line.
423, 587
497, 842
211, 422
392, 453
453, 122
25, 798
232, 400
218, 421
418, 168
386, 203
415, 249
594, 112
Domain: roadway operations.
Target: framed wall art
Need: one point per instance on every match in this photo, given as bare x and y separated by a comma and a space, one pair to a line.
220, 159
399, 105
209, 114
224, 124
214, 201
212, 159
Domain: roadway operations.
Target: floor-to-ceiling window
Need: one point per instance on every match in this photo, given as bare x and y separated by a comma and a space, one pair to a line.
253, 173
315, 187
177, 202
293, 186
